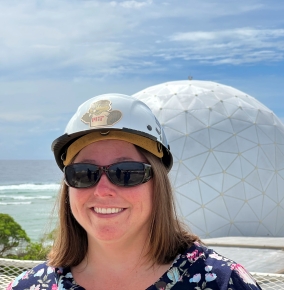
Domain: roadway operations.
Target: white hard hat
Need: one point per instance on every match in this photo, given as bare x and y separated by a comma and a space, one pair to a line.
112, 116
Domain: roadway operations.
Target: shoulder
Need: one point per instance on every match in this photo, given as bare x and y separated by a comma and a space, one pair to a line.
200, 267
41, 276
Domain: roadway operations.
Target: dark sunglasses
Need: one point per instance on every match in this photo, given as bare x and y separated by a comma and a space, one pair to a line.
126, 173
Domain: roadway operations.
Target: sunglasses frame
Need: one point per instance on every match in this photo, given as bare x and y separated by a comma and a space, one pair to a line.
148, 173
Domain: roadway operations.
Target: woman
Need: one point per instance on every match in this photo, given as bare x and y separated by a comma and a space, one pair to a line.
117, 223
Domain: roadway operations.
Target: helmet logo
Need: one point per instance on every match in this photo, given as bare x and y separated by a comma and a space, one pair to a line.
101, 114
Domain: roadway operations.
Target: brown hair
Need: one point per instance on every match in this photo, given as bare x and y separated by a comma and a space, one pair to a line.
168, 236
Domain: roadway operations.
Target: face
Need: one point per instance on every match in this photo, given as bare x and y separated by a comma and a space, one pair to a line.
106, 211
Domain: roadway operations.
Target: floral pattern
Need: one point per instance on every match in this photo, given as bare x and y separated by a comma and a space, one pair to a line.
198, 268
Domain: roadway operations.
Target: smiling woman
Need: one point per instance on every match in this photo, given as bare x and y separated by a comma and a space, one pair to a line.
117, 223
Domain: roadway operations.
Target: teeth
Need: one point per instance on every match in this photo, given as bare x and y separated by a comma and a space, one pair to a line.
107, 210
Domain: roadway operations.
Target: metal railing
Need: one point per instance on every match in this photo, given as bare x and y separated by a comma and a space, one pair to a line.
10, 269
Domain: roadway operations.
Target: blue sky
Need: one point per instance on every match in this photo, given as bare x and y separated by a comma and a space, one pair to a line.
56, 54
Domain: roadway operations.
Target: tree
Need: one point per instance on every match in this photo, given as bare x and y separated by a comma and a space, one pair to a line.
11, 234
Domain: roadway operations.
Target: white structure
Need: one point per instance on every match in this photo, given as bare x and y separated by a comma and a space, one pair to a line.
228, 149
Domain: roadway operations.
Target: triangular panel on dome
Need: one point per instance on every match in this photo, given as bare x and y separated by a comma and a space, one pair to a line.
229, 146
268, 206
249, 134
248, 229
194, 124
265, 177
202, 136
184, 175
262, 137
193, 148
279, 158
214, 221
178, 123
217, 137
174, 103
235, 168
268, 130
173, 135
208, 98
272, 190
195, 104
270, 152
215, 118
207, 192
214, 180
191, 190
265, 118
197, 230
234, 205
211, 166
245, 144
219, 108
281, 173
236, 190
231, 182
177, 146
198, 219
251, 155
234, 231
246, 215
251, 114
280, 185
203, 115
263, 161
269, 221
240, 125
166, 114
223, 231
253, 180
224, 125
219, 207
230, 108
246, 166
256, 205
280, 233
279, 135
196, 163
263, 231
279, 221
251, 191
224, 158
186, 205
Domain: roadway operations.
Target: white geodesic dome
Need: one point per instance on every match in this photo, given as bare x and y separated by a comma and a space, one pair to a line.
228, 149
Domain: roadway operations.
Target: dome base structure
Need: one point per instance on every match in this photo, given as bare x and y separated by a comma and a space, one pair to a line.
228, 148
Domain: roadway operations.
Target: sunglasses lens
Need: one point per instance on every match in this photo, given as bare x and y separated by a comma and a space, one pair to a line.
81, 175
127, 173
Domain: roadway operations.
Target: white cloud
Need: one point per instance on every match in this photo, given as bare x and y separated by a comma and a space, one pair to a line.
83, 39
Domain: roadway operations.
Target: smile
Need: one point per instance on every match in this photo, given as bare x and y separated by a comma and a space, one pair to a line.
107, 210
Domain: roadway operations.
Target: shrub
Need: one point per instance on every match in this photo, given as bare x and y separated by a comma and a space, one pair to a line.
11, 235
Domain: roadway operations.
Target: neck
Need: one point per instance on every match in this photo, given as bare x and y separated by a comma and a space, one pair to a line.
116, 256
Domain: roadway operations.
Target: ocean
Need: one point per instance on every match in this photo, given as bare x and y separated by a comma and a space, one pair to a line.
28, 190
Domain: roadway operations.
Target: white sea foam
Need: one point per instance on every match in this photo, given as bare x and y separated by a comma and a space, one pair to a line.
4, 196
30, 186
15, 203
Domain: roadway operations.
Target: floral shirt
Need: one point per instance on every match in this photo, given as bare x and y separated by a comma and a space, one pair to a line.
197, 268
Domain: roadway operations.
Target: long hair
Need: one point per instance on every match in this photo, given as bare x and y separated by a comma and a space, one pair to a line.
168, 235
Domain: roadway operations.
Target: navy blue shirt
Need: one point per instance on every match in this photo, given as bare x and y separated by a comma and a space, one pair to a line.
197, 268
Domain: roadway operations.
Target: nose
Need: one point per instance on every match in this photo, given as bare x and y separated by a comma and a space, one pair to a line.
104, 187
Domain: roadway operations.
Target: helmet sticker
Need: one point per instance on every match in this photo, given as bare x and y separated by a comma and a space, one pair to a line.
101, 114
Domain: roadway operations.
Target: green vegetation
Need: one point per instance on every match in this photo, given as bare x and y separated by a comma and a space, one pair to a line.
15, 244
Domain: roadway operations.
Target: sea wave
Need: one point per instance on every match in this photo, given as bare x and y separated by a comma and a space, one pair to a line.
30, 186
21, 197
15, 203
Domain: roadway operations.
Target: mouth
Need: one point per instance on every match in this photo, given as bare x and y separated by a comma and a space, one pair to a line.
109, 210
